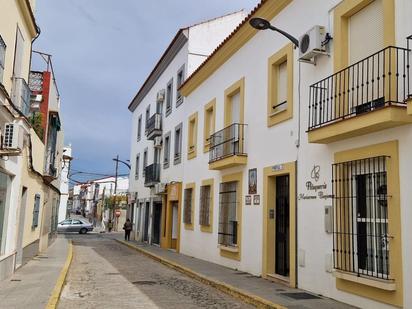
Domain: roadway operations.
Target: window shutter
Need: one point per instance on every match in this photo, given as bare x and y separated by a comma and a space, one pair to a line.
2, 57
36, 211
282, 85
366, 29
204, 205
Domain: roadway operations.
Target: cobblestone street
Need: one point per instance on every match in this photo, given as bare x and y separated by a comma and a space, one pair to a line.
106, 274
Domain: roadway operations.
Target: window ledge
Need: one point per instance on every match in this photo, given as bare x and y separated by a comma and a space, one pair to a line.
387, 285
229, 248
277, 112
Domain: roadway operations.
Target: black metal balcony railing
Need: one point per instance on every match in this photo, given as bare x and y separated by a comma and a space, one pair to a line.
152, 174
227, 142
154, 125
379, 80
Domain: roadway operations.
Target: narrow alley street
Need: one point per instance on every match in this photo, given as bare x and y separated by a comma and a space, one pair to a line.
106, 274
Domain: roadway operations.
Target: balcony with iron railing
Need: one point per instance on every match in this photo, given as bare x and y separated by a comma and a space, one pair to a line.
154, 126
152, 175
227, 147
20, 95
365, 97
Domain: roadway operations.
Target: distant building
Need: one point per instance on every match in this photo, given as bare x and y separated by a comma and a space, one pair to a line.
64, 185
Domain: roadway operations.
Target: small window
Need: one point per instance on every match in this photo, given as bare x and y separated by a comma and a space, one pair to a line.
139, 128
209, 124
147, 116
166, 157
179, 82
144, 162
192, 137
2, 58
204, 216
188, 201
178, 145
281, 103
136, 174
169, 95
36, 211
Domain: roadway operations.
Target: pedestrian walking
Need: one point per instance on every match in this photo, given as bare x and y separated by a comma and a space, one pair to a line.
110, 225
127, 229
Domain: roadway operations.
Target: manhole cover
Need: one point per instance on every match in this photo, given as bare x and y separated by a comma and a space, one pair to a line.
301, 295
144, 282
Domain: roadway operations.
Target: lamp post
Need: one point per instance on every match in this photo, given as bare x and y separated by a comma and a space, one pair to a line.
117, 160
263, 24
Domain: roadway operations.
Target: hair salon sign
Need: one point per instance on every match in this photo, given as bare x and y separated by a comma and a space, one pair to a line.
315, 190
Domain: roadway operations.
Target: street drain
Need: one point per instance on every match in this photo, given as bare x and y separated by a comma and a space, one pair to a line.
301, 295
144, 282
111, 274
42, 257
16, 280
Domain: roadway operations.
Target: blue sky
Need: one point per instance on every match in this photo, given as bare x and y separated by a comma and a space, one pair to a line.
102, 52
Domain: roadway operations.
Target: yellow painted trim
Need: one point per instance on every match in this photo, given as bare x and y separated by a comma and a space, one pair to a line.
268, 10
238, 86
394, 227
341, 14
192, 186
228, 162
376, 120
209, 228
209, 111
236, 255
55, 297
268, 257
409, 104
388, 285
192, 136
166, 237
243, 295
284, 54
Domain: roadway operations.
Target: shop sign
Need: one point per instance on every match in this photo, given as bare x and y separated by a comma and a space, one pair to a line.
315, 190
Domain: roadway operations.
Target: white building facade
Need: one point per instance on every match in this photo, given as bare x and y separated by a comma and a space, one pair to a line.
64, 183
294, 162
156, 108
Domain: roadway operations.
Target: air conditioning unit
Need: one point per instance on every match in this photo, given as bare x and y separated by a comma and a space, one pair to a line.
160, 188
160, 96
157, 142
11, 136
310, 44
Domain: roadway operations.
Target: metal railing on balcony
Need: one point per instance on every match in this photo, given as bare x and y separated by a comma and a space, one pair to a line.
227, 142
21, 95
379, 80
154, 126
152, 174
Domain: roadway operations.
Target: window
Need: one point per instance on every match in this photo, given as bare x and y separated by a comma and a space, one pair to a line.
136, 173
139, 128
228, 213
169, 95
66, 222
209, 124
18, 54
179, 81
188, 208
36, 211
178, 144
144, 162
147, 117
280, 83
192, 137
2, 58
234, 103
361, 237
204, 215
77, 222
166, 155
366, 31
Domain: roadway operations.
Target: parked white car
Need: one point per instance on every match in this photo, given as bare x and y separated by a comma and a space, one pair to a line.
74, 225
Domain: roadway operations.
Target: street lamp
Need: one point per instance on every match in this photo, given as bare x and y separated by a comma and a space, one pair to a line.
263, 24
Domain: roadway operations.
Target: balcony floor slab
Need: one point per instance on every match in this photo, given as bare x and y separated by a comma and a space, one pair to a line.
227, 162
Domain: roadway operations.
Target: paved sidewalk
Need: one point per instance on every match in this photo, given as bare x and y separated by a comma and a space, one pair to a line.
252, 285
32, 285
